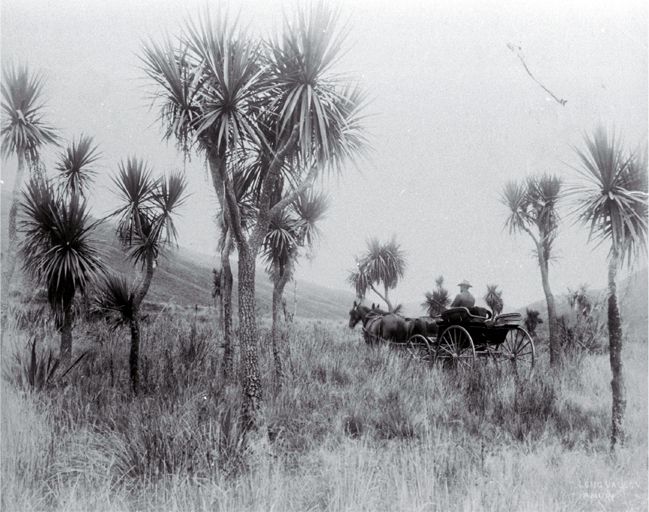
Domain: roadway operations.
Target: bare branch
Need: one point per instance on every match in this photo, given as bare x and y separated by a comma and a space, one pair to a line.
518, 52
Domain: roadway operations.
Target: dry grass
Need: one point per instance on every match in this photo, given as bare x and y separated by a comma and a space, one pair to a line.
352, 428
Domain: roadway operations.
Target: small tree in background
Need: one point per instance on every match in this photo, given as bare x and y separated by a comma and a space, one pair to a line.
532, 320
582, 327
612, 201
533, 210
437, 302
382, 264
145, 225
75, 173
494, 299
24, 134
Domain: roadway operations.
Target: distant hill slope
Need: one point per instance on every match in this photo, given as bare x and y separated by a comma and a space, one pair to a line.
632, 296
185, 278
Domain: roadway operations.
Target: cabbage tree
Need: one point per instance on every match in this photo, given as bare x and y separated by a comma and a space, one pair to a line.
612, 202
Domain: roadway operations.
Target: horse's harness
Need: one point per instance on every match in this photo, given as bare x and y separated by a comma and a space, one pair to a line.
370, 317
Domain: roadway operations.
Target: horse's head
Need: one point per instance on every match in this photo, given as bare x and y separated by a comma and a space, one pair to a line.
355, 315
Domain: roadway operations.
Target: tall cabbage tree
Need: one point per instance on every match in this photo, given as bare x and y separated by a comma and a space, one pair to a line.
532, 208
382, 264
220, 91
145, 226
57, 251
612, 202
24, 132
290, 231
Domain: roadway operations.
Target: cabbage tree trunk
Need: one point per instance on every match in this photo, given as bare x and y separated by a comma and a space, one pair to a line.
9, 256
226, 305
615, 355
134, 354
555, 349
252, 390
66, 335
279, 283
217, 161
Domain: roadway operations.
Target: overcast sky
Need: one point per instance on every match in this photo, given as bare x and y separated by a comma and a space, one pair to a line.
454, 117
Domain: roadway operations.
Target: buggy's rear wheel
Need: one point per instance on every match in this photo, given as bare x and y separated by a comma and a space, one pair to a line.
455, 348
517, 349
420, 347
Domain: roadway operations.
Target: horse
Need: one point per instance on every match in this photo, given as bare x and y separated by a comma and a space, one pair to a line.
424, 326
377, 326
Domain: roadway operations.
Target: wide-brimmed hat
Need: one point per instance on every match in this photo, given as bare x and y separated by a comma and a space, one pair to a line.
465, 283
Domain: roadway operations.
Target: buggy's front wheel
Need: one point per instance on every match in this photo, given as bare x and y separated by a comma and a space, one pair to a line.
455, 348
420, 347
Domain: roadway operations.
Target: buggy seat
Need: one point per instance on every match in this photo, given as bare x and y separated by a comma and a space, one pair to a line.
461, 315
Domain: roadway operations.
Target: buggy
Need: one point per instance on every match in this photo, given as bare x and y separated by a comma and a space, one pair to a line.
462, 337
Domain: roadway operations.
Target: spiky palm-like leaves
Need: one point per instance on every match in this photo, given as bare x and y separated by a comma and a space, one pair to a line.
381, 264
145, 225
612, 202
116, 300
57, 250
613, 199
532, 207
135, 189
24, 130
225, 94
307, 94
75, 172
24, 133
494, 298
532, 320
294, 228
289, 231
436, 302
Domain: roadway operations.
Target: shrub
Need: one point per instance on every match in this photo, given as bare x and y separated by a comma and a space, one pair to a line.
584, 327
34, 370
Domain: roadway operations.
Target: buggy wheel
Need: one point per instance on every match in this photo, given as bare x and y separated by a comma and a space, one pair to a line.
455, 348
517, 349
420, 348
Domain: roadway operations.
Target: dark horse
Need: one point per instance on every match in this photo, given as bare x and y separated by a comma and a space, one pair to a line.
378, 326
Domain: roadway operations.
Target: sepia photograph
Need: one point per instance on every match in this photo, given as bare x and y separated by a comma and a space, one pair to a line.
324, 255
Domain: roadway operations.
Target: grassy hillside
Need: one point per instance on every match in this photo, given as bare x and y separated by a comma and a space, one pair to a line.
184, 278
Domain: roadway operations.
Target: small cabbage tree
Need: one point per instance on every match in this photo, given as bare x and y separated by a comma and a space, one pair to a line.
382, 264
437, 302
494, 299
290, 231
532, 320
532, 207
145, 226
57, 251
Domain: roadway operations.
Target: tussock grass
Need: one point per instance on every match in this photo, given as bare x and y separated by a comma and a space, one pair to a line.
351, 428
